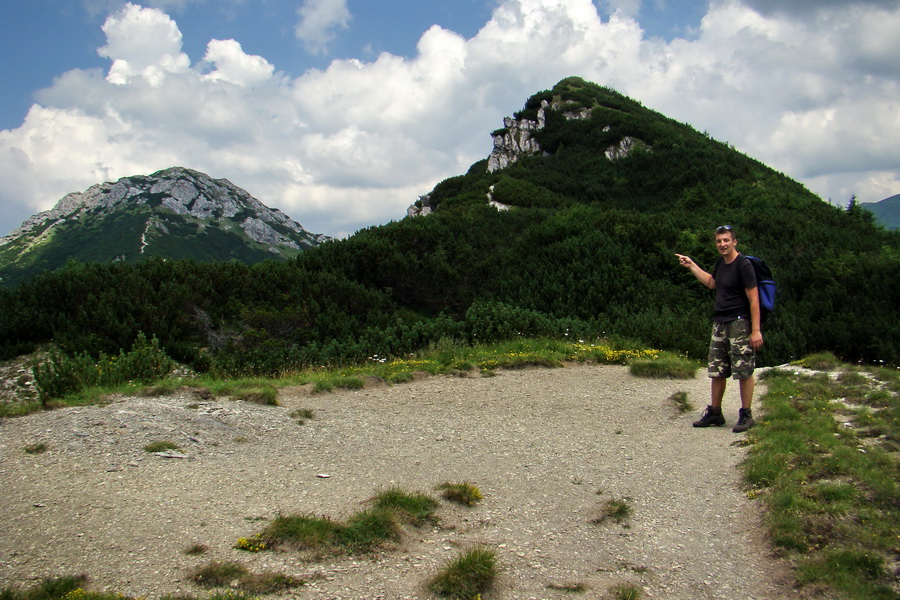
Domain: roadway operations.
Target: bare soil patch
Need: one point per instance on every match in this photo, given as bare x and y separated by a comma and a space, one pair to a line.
547, 447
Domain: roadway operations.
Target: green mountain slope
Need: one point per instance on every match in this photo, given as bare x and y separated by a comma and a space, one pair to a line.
568, 228
887, 211
590, 237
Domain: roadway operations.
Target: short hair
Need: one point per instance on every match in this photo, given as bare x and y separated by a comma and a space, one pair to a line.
726, 229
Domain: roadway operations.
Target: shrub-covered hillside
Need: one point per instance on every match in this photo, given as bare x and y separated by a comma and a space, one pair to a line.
586, 249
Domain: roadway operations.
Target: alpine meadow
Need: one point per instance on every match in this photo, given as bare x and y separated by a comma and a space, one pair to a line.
573, 235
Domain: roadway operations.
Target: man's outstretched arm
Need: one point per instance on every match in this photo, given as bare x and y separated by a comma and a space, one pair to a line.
701, 275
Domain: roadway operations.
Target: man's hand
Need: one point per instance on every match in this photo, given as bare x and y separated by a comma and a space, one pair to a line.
685, 261
756, 340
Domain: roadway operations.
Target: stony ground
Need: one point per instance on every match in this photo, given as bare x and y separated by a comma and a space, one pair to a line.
547, 447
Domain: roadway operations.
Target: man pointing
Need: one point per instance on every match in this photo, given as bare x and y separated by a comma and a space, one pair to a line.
736, 332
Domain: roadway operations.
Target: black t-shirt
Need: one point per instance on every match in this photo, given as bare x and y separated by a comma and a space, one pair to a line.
731, 282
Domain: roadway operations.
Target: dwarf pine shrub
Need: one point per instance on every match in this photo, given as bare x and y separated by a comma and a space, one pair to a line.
63, 374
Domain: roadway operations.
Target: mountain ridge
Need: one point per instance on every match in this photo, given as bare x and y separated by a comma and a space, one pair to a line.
887, 211
172, 213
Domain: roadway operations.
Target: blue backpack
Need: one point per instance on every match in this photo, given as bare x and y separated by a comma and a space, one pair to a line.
765, 284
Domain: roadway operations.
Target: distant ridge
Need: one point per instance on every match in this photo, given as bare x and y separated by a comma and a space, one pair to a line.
887, 212
175, 213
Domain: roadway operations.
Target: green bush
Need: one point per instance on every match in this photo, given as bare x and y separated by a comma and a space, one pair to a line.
467, 575
63, 374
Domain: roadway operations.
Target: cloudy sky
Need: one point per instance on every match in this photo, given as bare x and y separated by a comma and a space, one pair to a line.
342, 112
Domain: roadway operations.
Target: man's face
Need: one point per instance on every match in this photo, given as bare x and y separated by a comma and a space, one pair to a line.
725, 243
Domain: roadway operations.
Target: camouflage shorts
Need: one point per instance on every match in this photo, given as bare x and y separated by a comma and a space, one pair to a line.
730, 352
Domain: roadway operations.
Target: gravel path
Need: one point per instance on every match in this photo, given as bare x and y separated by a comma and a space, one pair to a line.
547, 447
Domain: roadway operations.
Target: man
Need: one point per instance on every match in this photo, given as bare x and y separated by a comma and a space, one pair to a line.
737, 333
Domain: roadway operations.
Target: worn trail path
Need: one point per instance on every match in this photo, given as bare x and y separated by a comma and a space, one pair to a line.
547, 447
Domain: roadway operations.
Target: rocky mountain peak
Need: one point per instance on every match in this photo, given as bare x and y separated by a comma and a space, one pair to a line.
183, 192
173, 213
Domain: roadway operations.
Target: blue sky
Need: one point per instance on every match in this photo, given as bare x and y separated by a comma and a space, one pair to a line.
343, 112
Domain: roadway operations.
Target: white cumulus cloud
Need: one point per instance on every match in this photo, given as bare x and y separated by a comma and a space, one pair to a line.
143, 43
355, 143
318, 21
233, 66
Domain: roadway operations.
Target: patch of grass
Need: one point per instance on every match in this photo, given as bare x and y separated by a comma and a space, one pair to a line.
626, 591
469, 574
447, 356
266, 395
55, 588
162, 388
19, 409
39, 448
303, 532
461, 493
824, 462
160, 446
614, 510
569, 588
83, 594
235, 575
361, 533
821, 361
327, 382
417, 507
218, 574
302, 415
196, 549
666, 366
268, 583
368, 529
681, 402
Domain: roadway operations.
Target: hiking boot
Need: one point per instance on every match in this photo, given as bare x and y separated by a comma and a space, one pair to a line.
745, 421
711, 416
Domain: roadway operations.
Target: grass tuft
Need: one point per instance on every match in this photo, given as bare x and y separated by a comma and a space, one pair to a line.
626, 591
614, 510
35, 448
569, 588
418, 508
302, 415
266, 395
196, 549
462, 493
822, 361
160, 446
664, 367
55, 588
681, 402
466, 576
231, 574
218, 574
368, 529
301, 531
363, 531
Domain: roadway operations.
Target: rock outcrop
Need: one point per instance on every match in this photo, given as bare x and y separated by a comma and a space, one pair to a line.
516, 139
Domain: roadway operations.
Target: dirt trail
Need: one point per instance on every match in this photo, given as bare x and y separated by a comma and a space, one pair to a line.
547, 447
